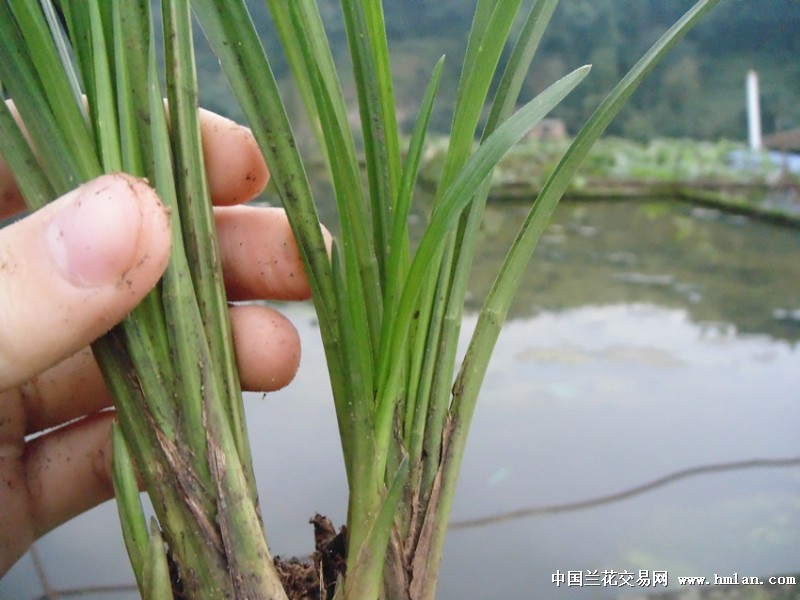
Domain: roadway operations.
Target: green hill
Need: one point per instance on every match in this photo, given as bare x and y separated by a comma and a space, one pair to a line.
697, 92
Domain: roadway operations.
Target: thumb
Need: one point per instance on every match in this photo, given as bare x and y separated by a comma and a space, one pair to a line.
72, 270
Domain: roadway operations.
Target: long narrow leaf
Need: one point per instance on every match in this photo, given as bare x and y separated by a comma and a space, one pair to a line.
504, 102
492, 316
454, 201
480, 23
64, 53
55, 150
364, 573
490, 31
126, 491
361, 261
292, 49
501, 294
104, 110
157, 583
57, 89
251, 78
363, 24
30, 177
486, 45
249, 72
194, 205
398, 247
352, 412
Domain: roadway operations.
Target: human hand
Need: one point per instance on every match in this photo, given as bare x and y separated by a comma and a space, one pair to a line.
62, 271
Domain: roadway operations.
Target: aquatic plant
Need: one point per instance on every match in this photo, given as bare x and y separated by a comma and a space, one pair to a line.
389, 314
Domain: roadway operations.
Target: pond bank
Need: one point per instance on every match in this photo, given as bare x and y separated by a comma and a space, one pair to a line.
721, 175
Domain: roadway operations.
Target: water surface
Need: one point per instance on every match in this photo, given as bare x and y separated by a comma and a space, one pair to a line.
646, 339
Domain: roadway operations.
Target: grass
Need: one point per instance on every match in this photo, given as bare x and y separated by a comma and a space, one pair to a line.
389, 316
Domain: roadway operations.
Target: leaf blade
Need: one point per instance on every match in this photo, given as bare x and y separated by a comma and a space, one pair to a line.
454, 200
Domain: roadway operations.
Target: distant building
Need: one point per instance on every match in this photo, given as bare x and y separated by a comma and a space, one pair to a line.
549, 130
784, 141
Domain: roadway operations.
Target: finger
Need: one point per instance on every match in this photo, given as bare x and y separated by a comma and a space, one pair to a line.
71, 389
11, 201
54, 478
68, 471
250, 240
260, 257
16, 525
267, 349
234, 165
72, 270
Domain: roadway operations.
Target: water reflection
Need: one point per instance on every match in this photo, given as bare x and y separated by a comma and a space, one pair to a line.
721, 268
646, 339
589, 401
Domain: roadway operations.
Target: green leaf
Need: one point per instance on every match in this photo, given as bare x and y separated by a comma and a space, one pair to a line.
454, 200
467, 238
65, 165
64, 52
104, 109
197, 217
30, 178
487, 40
251, 78
360, 260
67, 113
366, 38
157, 582
293, 51
398, 246
364, 573
494, 311
500, 296
131, 514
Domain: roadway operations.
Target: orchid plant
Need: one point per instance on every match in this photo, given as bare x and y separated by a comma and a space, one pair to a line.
389, 310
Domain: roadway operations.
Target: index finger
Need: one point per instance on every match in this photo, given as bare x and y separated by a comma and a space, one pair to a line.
234, 165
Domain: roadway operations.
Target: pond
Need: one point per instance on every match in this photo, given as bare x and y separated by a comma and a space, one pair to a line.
648, 339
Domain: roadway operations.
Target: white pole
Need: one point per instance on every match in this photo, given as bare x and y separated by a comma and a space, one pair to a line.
753, 111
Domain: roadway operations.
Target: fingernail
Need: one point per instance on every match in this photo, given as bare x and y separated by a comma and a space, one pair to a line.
93, 239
